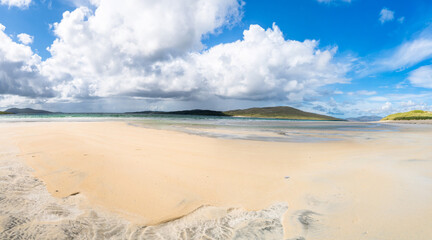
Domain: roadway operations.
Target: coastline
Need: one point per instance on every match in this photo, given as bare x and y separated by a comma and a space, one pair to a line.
407, 121
150, 176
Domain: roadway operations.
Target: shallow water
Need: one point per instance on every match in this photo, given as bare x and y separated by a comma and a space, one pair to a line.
260, 129
28, 211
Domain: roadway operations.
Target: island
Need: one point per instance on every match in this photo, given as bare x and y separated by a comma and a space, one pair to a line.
26, 111
411, 115
281, 112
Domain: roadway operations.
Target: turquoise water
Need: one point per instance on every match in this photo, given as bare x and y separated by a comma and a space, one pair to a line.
226, 127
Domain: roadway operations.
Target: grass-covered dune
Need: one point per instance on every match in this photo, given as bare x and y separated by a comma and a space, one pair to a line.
412, 115
279, 112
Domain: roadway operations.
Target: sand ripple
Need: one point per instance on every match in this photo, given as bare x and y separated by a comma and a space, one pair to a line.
28, 211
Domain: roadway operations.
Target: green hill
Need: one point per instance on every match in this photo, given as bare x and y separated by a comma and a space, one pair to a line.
279, 112
4, 112
412, 115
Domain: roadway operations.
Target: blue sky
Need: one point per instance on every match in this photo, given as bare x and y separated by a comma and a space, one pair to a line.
337, 57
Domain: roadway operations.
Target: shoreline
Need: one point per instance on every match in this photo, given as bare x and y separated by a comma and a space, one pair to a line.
407, 121
150, 176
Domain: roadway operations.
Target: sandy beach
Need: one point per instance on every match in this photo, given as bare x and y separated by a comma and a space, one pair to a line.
378, 188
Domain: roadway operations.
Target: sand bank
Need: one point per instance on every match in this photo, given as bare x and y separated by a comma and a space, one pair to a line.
408, 121
381, 188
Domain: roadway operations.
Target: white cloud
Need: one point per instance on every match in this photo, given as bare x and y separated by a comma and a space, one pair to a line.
121, 50
19, 69
407, 54
16, 3
412, 52
386, 15
387, 106
363, 92
401, 19
25, 38
261, 66
153, 50
133, 47
421, 77
408, 103
266, 66
9, 101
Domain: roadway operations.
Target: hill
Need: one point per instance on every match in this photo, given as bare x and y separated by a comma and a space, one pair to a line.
365, 119
4, 112
26, 111
412, 115
267, 112
279, 112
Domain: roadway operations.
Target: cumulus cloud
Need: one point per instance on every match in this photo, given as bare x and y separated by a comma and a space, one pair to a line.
16, 3
125, 45
421, 77
25, 38
386, 15
266, 66
19, 69
110, 52
153, 50
263, 65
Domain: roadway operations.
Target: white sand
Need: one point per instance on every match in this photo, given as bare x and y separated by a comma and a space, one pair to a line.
377, 189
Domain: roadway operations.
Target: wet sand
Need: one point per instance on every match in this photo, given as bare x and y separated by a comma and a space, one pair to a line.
379, 188
408, 121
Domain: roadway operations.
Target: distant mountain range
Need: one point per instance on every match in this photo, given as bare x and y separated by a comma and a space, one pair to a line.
266, 112
26, 111
365, 119
283, 112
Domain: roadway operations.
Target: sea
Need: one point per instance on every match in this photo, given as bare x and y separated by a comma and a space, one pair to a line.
258, 129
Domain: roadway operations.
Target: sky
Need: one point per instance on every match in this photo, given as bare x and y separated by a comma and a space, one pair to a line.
343, 58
